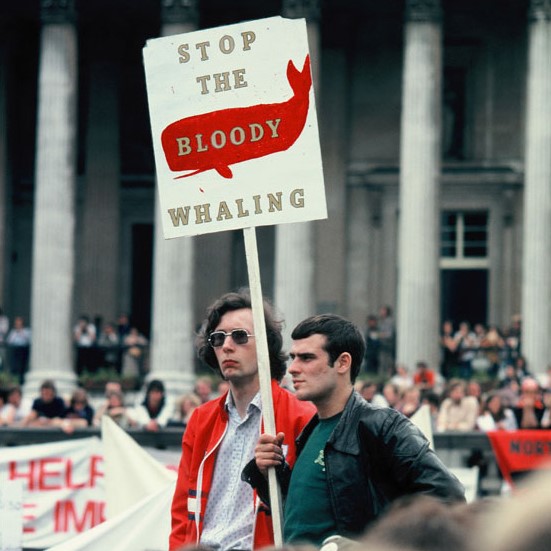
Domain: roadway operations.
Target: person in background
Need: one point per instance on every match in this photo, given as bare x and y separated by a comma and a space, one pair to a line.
80, 413
109, 345
448, 347
495, 415
466, 345
544, 379
529, 407
212, 507
458, 412
353, 459
19, 343
410, 401
114, 407
123, 325
369, 391
391, 393
402, 377
203, 389
153, 413
84, 337
185, 406
16, 408
423, 377
474, 389
419, 523
48, 409
134, 345
493, 344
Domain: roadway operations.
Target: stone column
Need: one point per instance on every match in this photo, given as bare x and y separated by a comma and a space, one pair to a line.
54, 209
294, 286
536, 282
99, 256
173, 326
418, 272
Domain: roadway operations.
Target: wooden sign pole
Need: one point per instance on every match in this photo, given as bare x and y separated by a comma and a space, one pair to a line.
263, 358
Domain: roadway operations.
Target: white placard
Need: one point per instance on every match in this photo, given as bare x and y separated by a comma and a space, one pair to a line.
11, 515
234, 127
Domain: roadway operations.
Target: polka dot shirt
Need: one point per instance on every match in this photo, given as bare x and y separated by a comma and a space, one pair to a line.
229, 517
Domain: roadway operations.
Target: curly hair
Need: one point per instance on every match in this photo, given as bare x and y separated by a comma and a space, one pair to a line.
237, 301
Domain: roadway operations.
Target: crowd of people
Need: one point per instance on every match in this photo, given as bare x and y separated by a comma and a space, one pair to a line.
117, 346
152, 412
482, 382
341, 424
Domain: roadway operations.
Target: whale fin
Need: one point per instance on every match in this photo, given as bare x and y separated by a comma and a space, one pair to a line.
300, 81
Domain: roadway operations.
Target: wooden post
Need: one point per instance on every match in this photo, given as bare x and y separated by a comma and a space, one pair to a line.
264, 374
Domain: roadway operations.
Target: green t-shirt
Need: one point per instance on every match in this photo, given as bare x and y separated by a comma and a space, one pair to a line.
307, 514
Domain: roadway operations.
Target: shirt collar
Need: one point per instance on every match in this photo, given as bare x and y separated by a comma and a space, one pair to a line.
255, 402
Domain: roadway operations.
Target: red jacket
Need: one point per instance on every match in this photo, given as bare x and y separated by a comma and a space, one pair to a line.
200, 445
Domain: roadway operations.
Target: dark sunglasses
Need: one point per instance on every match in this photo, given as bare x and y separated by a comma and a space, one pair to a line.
239, 336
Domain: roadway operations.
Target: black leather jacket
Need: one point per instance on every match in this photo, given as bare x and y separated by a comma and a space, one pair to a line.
373, 456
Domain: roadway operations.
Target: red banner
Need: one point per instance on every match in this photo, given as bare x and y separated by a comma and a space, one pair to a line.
520, 452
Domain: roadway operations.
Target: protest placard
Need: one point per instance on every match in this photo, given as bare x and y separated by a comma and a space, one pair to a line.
234, 127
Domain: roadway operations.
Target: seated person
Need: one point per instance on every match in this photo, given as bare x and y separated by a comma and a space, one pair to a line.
48, 409
529, 408
458, 412
115, 408
423, 377
153, 413
495, 415
80, 412
185, 406
16, 408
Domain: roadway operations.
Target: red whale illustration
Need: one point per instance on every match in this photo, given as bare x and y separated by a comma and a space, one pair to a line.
222, 138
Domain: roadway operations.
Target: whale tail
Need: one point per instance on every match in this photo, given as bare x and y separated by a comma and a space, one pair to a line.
300, 81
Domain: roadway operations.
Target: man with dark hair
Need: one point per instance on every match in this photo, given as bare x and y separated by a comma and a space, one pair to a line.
48, 408
212, 507
353, 459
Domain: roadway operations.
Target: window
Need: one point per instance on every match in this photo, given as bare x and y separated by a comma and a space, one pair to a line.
464, 239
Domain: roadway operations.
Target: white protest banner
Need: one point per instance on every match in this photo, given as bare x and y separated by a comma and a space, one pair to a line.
139, 491
145, 526
131, 473
234, 127
62, 488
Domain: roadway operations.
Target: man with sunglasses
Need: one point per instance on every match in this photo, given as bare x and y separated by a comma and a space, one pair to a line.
353, 458
212, 507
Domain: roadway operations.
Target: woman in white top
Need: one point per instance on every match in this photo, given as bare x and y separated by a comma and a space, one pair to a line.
153, 413
495, 416
15, 409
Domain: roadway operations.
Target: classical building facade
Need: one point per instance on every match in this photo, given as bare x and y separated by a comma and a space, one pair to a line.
435, 127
